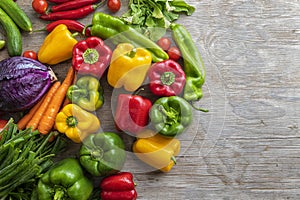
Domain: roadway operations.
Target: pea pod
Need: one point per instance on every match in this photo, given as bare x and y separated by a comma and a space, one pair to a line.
193, 65
106, 26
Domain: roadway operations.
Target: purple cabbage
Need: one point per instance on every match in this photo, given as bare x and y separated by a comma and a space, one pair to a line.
23, 82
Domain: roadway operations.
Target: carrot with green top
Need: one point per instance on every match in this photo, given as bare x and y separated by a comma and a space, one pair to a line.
36, 118
48, 120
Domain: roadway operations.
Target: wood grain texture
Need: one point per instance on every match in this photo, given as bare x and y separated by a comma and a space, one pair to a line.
248, 145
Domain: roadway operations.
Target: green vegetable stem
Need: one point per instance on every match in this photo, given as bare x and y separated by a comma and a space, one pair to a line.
24, 156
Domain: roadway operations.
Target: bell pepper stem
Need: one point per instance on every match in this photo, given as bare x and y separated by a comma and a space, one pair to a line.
71, 121
59, 194
170, 115
138, 91
90, 56
98, 154
75, 34
132, 53
173, 159
167, 78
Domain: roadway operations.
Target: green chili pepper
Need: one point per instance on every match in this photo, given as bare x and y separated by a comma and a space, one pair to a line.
171, 115
193, 64
65, 180
106, 26
86, 93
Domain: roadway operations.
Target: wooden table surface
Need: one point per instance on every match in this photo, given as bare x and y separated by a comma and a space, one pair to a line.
247, 146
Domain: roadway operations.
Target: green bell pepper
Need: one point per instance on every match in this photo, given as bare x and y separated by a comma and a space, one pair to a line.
102, 154
86, 93
171, 115
65, 180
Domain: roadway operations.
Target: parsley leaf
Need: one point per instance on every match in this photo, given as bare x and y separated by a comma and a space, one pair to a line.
149, 15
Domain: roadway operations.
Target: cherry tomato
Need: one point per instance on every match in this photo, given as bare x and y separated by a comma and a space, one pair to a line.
2, 123
40, 6
174, 53
30, 54
114, 5
164, 43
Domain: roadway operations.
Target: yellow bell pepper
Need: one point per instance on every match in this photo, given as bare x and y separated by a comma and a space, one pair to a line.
128, 66
157, 151
76, 123
57, 46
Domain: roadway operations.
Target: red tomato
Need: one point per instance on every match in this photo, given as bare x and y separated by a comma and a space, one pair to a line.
2, 123
30, 54
40, 6
174, 53
114, 5
164, 43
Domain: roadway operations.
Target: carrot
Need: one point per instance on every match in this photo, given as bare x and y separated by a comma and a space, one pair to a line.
48, 120
34, 122
26, 118
67, 100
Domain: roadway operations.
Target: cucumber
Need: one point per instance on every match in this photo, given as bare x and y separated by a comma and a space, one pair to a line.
16, 14
13, 34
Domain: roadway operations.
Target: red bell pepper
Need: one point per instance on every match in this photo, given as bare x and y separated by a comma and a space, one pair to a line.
132, 113
118, 186
166, 78
91, 56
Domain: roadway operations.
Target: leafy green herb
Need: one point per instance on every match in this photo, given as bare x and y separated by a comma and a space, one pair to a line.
153, 17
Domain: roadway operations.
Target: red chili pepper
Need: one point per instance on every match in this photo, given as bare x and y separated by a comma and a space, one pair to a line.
132, 113
118, 186
70, 14
166, 78
58, 1
70, 5
72, 25
91, 56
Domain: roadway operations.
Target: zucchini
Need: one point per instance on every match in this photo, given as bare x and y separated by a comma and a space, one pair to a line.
13, 34
16, 14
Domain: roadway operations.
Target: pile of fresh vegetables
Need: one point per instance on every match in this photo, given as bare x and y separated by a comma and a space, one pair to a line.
168, 70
